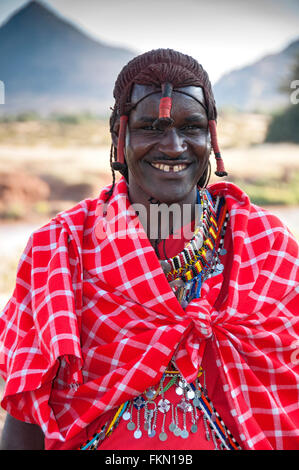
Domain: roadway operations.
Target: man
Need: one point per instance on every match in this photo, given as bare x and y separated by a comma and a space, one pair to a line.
128, 330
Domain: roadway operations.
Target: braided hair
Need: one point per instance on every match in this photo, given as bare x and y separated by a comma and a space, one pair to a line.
166, 70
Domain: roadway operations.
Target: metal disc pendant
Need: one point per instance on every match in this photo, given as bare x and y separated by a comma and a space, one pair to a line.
196, 401
184, 434
177, 431
219, 267
176, 285
137, 434
163, 436
126, 415
139, 402
152, 433
184, 303
185, 405
165, 266
131, 426
150, 393
198, 240
194, 428
163, 405
190, 394
172, 427
179, 391
222, 251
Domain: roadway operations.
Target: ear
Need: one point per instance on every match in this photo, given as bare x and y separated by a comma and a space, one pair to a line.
114, 133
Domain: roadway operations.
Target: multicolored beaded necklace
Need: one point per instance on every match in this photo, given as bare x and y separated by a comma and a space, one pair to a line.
200, 257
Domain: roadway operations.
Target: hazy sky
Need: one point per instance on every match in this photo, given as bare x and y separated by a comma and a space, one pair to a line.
221, 34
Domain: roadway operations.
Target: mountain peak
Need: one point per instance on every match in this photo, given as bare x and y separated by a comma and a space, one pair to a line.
35, 4
49, 64
257, 87
35, 24
33, 14
33, 9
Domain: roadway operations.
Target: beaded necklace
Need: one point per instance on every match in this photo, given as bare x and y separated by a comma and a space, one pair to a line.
200, 257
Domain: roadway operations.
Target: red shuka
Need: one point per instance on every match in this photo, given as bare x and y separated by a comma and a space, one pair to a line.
93, 322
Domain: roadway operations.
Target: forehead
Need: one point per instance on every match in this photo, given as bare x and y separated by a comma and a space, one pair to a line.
148, 96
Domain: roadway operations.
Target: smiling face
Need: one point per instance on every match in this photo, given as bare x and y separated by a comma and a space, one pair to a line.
166, 165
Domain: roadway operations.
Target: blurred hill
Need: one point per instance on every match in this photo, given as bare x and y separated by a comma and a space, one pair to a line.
256, 87
47, 64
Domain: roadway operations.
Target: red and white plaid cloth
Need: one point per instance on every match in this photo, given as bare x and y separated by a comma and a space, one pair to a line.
93, 322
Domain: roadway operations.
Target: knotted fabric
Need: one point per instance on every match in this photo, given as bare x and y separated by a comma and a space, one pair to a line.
93, 321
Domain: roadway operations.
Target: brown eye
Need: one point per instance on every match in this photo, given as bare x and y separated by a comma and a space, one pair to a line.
150, 129
191, 128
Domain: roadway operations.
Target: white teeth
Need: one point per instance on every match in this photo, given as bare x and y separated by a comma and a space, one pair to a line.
168, 168
179, 167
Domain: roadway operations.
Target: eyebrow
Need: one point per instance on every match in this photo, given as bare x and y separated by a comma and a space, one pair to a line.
189, 119
147, 119
195, 118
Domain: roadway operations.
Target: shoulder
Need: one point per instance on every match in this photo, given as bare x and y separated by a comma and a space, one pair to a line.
269, 229
239, 201
264, 220
256, 224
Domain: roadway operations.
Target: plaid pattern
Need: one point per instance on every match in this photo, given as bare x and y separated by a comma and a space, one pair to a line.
93, 322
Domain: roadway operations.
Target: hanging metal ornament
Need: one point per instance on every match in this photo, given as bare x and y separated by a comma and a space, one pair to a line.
163, 405
150, 393
139, 402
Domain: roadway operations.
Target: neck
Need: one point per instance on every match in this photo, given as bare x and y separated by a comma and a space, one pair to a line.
161, 219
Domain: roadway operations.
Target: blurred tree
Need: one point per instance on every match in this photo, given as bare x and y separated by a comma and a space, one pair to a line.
73, 118
293, 75
284, 127
28, 116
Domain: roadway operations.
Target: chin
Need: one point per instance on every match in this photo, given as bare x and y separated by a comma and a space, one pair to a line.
172, 195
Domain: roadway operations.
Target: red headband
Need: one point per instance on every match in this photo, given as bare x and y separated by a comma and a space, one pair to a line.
164, 120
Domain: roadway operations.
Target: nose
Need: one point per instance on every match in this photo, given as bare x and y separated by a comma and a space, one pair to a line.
172, 144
